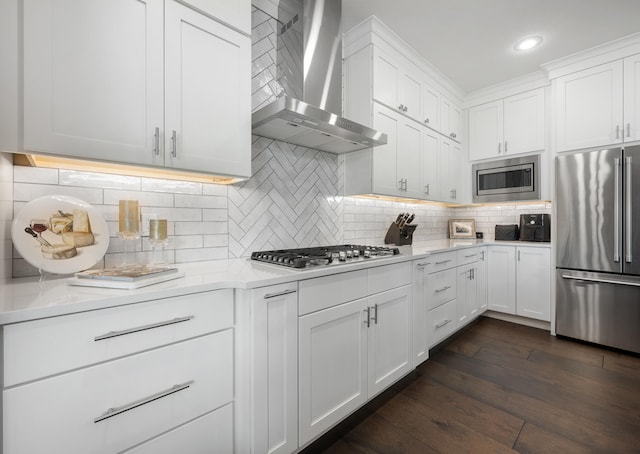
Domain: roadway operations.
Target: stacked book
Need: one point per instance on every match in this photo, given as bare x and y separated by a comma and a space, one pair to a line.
130, 277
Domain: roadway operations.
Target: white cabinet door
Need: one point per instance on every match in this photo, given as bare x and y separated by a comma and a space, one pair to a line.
385, 79
385, 156
450, 119
450, 171
430, 107
389, 337
524, 122
429, 159
534, 283
589, 107
409, 95
207, 118
467, 294
481, 278
501, 279
274, 330
486, 130
632, 98
420, 311
408, 159
332, 366
93, 89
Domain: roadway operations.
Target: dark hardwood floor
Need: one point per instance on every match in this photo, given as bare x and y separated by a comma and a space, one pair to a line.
500, 387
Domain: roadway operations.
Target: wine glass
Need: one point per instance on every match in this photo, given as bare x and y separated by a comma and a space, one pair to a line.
158, 239
39, 226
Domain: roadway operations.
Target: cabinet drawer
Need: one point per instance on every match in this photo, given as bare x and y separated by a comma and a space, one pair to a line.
441, 287
139, 397
387, 277
442, 261
441, 322
209, 434
40, 348
327, 291
466, 256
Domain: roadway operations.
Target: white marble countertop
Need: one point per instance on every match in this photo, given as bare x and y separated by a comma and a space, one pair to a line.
26, 299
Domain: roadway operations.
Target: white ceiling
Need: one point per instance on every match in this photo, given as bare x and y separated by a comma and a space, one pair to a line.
471, 41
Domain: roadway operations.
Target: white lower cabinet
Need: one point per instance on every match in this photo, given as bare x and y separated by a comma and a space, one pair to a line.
352, 351
110, 407
449, 290
140, 377
270, 417
533, 289
519, 281
196, 437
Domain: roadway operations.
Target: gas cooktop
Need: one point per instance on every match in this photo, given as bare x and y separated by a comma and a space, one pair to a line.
322, 255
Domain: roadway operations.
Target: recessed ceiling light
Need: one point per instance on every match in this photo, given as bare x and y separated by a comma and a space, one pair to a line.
528, 43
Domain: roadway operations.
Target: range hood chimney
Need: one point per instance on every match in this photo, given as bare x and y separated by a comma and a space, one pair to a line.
309, 66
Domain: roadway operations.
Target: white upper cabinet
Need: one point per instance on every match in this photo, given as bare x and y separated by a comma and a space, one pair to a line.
430, 154
632, 98
507, 126
485, 130
149, 91
207, 121
236, 13
92, 89
589, 107
395, 86
430, 107
450, 119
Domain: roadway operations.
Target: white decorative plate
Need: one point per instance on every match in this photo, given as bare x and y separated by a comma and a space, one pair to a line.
73, 248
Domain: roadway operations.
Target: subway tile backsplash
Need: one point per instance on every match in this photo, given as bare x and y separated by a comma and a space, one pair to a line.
294, 199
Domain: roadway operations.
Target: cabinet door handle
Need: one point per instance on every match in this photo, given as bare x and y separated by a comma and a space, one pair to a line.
443, 262
499, 147
617, 131
156, 141
440, 325
124, 332
469, 256
375, 312
426, 189
518, 256
273, 295
628, 129
445, 288
114, 411
174, 145
426, 121
505, 146
368, 320
423, 264
401, 108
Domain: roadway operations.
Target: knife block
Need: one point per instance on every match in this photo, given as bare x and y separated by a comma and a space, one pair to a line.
400, 236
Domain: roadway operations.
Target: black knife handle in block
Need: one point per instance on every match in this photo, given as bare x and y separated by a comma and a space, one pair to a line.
400, 236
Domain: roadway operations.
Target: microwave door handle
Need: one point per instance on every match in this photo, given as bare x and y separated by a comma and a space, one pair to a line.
627, 212
616, 210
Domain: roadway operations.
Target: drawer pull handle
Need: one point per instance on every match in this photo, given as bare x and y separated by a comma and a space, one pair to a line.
118, 410
423, 264
469, 256
440, 290
124, 332
443, 262
282, 293
440, 325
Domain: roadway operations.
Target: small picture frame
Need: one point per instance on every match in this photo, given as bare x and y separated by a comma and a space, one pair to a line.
462, 228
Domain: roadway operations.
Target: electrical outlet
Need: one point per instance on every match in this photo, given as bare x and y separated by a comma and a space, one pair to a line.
144, 223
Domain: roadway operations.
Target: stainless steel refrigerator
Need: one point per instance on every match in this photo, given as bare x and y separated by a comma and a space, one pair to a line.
598, 247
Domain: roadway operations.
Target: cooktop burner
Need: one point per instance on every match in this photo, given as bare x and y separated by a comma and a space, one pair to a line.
322, 255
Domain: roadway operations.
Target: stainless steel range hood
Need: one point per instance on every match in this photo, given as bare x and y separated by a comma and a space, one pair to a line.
309, 67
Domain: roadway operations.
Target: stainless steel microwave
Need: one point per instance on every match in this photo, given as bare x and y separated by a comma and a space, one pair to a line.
507, 180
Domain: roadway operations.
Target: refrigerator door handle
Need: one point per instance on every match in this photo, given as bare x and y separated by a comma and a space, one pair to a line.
627, 212
603, 281
616, 208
